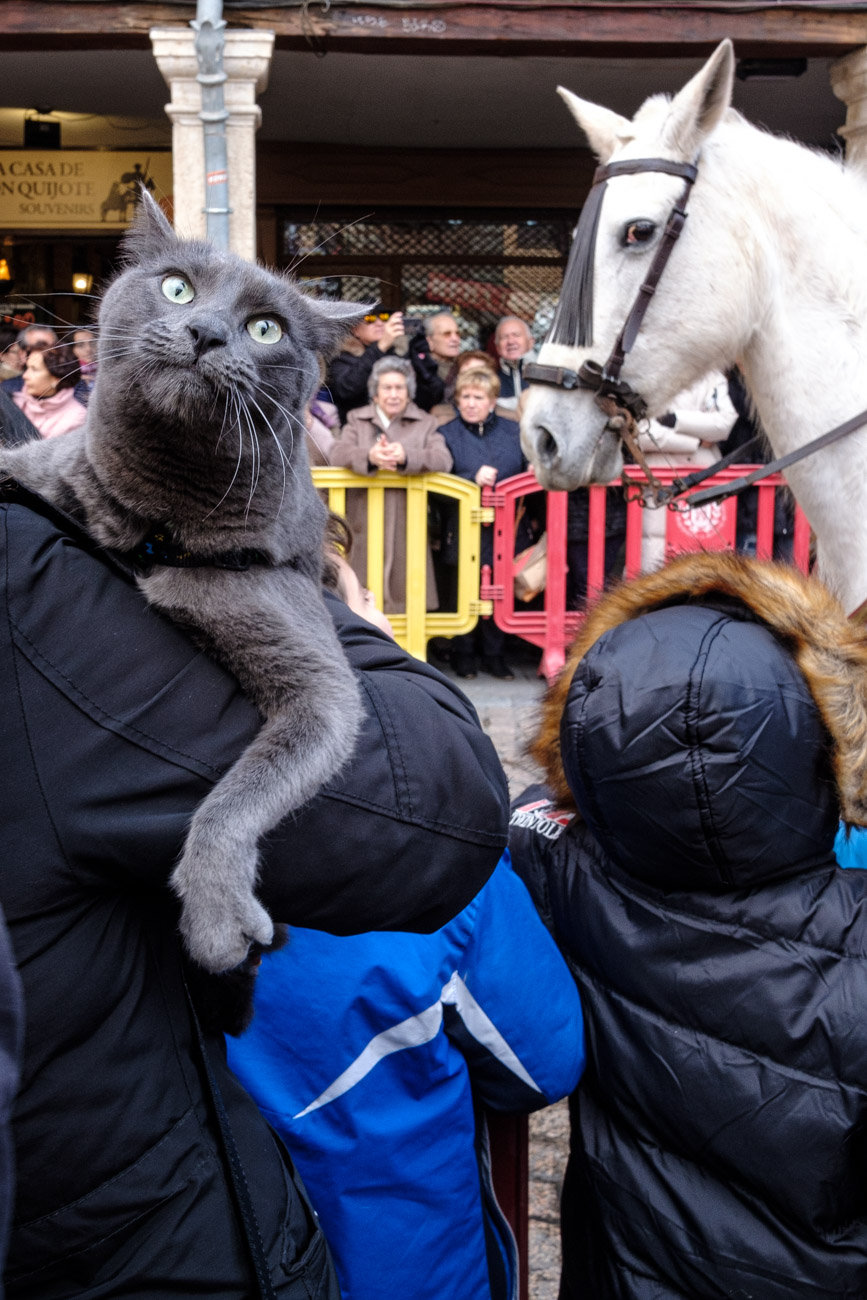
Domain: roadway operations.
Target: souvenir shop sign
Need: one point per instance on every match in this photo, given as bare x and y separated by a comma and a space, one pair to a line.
51, 189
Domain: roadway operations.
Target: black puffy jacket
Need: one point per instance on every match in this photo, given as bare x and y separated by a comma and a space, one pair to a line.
350, 370
719, 1142
112, 729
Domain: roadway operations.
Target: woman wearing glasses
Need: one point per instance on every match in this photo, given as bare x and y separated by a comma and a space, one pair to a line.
374, 337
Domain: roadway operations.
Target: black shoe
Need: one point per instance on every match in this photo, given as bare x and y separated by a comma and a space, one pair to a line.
497, 667
465, 665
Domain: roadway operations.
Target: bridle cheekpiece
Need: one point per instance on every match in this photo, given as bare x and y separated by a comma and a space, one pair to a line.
617, 395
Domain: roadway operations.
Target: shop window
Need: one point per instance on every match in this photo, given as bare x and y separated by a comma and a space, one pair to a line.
479, 266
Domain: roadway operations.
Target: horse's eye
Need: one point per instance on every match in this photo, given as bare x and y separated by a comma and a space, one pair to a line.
639, 232
177, 288
264, 330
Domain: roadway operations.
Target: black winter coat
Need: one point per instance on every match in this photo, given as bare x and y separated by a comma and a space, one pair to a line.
718, 1144
11, 1036
350, 370
113, 727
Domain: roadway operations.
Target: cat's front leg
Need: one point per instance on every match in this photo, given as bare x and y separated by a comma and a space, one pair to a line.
273, 631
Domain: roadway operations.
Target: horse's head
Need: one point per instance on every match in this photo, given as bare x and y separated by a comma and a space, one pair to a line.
690, 325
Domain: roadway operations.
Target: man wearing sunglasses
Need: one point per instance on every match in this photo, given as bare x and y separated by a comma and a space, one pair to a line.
32, 336
377, 335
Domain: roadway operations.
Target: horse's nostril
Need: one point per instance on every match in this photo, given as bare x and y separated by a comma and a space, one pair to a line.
547, 446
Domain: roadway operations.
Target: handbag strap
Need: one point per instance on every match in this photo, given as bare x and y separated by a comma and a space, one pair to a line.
241, 1192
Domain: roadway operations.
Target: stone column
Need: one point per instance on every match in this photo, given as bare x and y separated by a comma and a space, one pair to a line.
849, 83
246, 60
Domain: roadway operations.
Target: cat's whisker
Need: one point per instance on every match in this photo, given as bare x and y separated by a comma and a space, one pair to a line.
228, 396
236, 420
256, 457
284, 460
280, 365
117, 352
304, 256
289, 415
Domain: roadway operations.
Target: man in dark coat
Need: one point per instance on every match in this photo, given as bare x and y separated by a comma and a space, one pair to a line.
114, 728
379, 335
711, 727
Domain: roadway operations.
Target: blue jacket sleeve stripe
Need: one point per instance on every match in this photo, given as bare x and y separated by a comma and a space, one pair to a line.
482, 1029
413, 1032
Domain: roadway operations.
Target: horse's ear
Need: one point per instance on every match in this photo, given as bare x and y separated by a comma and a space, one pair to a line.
698, 108
605, 130
150, 233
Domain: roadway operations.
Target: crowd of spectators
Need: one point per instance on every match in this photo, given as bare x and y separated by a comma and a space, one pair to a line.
425, 365
395, 388
393, 393
47, 377
390, 402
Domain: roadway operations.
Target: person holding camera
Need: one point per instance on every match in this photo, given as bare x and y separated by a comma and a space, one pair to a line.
377, 335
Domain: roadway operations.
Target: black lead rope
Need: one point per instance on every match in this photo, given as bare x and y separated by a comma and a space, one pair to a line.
775, 466
680, 486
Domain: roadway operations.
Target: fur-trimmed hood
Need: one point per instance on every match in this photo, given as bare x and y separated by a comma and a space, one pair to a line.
741, 691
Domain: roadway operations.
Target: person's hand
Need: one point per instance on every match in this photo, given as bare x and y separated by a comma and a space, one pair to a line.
486, 476
398, 453
382, 453
392, 332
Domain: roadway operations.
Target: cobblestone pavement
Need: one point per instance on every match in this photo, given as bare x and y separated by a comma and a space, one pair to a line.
507, 711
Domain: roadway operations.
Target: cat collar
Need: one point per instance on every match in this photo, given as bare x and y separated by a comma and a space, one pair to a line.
158, 548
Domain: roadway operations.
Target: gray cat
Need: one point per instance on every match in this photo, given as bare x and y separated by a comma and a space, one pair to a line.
194, 453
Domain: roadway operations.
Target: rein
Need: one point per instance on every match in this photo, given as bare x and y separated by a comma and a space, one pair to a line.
614, 396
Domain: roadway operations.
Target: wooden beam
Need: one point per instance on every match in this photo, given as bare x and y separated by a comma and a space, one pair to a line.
334, 175
507, 27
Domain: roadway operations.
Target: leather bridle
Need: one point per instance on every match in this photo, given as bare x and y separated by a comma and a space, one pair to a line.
605, 380
623, 406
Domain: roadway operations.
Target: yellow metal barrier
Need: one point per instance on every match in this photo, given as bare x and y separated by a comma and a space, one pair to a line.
414, 629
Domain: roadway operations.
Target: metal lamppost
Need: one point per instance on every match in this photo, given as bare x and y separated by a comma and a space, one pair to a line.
209, 27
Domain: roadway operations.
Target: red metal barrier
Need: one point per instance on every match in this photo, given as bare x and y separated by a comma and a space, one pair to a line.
709, 528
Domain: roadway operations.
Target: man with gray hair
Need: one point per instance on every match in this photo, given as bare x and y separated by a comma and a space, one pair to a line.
442, 343
514, 344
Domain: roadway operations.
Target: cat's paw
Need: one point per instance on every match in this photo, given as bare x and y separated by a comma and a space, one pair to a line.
218, 937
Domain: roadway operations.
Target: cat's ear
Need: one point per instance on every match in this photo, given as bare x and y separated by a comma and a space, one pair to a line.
331, 321
150, 234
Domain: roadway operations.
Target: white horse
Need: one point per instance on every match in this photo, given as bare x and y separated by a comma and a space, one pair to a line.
771, 269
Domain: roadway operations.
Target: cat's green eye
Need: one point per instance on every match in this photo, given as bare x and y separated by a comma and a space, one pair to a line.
177, 288
264, 330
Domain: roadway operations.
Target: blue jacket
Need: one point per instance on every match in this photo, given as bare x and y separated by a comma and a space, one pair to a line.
365, 1053
850, 847
495, 441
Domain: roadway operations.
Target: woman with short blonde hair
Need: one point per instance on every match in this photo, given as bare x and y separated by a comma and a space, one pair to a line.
485, 448
478, 377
